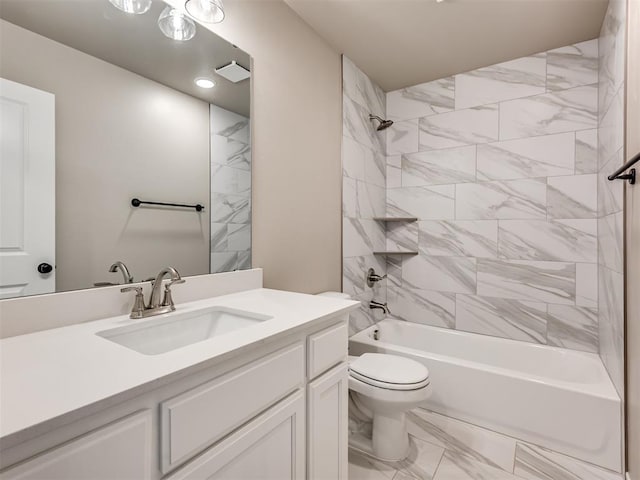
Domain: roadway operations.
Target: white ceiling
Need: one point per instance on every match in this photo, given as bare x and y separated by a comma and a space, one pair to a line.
399, 43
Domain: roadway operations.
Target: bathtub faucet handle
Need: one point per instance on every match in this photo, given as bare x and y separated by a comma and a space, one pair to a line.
373, 277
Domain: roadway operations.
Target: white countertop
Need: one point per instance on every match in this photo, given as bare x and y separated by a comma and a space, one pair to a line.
49, 374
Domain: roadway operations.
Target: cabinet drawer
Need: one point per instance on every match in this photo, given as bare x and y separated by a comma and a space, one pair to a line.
120, 450
270, 446
195, 419
327, 348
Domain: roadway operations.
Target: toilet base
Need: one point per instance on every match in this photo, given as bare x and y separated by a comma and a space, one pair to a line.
390, 439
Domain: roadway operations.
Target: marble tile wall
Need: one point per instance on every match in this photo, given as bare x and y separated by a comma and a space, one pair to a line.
230, 191
363, 192
609, 204
501, 167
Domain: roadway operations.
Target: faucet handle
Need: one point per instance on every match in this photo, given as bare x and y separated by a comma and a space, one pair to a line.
138, 304
167, 300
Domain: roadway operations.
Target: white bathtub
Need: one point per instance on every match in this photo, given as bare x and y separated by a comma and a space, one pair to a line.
556, 398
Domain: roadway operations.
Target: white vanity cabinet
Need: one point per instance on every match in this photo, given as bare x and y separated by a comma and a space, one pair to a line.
278, 411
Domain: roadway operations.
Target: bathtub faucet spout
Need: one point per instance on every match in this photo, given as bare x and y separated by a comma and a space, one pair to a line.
382, 306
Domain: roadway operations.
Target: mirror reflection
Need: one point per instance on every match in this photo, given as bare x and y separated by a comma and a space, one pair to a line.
125, 146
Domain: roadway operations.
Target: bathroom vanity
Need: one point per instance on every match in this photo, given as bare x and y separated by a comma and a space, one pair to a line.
266, 400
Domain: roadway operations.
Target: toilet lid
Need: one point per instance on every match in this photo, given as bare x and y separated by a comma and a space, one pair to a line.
389, 371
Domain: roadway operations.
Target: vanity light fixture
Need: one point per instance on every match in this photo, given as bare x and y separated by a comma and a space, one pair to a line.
176, 25
207, 11
205, 82
137, 7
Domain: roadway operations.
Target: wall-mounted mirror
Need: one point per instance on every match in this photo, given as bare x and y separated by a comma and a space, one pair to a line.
99, 107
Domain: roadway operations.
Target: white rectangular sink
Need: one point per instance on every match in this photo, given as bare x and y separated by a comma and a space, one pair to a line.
164, 334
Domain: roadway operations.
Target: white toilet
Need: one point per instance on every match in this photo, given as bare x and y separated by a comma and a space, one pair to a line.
383, 388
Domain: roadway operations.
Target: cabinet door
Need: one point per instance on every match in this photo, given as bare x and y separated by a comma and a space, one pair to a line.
120, 451
270, 447
328, 425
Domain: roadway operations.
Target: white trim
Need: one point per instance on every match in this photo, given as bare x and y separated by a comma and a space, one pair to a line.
628, 476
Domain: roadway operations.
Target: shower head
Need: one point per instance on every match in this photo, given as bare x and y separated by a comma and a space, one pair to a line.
383, 123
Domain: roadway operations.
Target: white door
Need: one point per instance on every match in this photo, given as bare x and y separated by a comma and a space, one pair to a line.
27, 190
327, 440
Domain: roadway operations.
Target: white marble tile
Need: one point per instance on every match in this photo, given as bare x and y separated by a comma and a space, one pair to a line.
610, 244
560, 240
359, 88
463, 439
550, 282
442, 274
462, 127
518, 78
611, 324
239, 237
244, 260
402, 236
471, 238
349, 197
587, 151
436, 202
421, 100
394, 171
230, 152
572, 196
510, 199
536, 463
587, 285
611, 129
371, 200
527, 157
459, 467
421, 463
563, 111
362, 163
439, 167
361, 237
229, 124
357, 126
422, 306
230, 208
218, 237
364, 467
610, 194
573, 66
611, 52
517, 320
229, 180
223, 261
402, 137
573, 327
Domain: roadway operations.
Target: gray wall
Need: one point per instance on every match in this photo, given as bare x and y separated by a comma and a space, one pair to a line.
118, 136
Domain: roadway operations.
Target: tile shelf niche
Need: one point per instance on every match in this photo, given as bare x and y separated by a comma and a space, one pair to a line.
396, 219
396, 252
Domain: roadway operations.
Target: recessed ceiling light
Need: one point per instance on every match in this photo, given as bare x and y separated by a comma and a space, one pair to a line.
176, 25
205, 82
207, 11
137, 7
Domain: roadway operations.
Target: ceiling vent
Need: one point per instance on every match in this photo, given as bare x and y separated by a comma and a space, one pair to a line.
233, 72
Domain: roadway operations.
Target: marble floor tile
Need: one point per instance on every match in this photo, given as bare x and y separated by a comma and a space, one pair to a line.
421, 464
363, 467
536, 463
464, 439
421, 100
454, 466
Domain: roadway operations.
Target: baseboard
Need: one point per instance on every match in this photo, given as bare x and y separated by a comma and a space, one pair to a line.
628, 476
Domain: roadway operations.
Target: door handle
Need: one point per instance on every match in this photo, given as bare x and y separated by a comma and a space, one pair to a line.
45, 268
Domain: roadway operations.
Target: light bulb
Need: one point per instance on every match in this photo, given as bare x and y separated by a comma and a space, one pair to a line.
205, 82
207, 11
137, 7
176, 25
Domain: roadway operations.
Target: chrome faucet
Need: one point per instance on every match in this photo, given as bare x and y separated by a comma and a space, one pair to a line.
155, 307
373, 277
123, 269
382, 306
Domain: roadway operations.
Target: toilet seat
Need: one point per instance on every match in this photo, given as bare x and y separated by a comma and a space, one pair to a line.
390, 372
